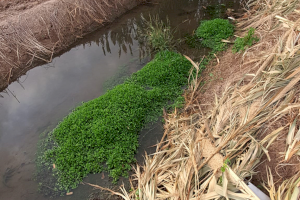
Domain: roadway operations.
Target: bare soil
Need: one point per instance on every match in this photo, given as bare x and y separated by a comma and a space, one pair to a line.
33, 31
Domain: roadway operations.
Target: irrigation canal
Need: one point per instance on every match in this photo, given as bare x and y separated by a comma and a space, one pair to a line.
46, 94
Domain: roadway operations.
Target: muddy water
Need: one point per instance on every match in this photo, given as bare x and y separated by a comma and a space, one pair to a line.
46, 94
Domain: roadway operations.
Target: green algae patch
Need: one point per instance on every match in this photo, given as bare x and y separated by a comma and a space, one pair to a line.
102, 134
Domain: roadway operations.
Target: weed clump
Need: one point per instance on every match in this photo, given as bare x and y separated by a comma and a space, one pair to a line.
102, 134
158, 34
241, 43
213, 31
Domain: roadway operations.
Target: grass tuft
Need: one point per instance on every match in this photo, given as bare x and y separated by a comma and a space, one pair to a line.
158, 34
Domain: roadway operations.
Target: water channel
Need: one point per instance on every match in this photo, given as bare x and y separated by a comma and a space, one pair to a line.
46, 94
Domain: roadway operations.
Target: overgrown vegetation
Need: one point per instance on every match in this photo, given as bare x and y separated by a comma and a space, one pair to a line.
212, 32
241, 43
102, 134
158, 34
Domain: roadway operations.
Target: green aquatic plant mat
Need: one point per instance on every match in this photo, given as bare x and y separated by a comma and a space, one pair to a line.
211, 33
102, 134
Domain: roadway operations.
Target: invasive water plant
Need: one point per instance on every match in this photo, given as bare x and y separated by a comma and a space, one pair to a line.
102, 134
241, 43
213, 31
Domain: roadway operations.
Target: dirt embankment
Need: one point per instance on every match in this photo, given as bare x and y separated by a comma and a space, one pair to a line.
33, 31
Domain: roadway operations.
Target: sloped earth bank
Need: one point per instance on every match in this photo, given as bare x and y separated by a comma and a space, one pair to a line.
46, 94
240, 123
32, 32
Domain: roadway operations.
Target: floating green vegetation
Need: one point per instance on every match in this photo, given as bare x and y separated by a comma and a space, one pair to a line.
241, 43
212, 32
102, 134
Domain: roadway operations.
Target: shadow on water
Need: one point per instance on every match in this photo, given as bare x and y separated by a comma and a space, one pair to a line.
46, 94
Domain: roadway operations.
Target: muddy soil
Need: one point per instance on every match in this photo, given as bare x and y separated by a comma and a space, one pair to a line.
33, 31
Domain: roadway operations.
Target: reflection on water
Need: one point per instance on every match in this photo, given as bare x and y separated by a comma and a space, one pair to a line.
122, 38
46, 94
184, 16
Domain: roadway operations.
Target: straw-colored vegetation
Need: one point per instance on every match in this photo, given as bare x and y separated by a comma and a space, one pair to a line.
210, 155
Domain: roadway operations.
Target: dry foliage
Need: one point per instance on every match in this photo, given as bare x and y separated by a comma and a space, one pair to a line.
213, 155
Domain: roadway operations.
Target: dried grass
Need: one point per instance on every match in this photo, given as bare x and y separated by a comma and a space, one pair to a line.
40, 32
288, 190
